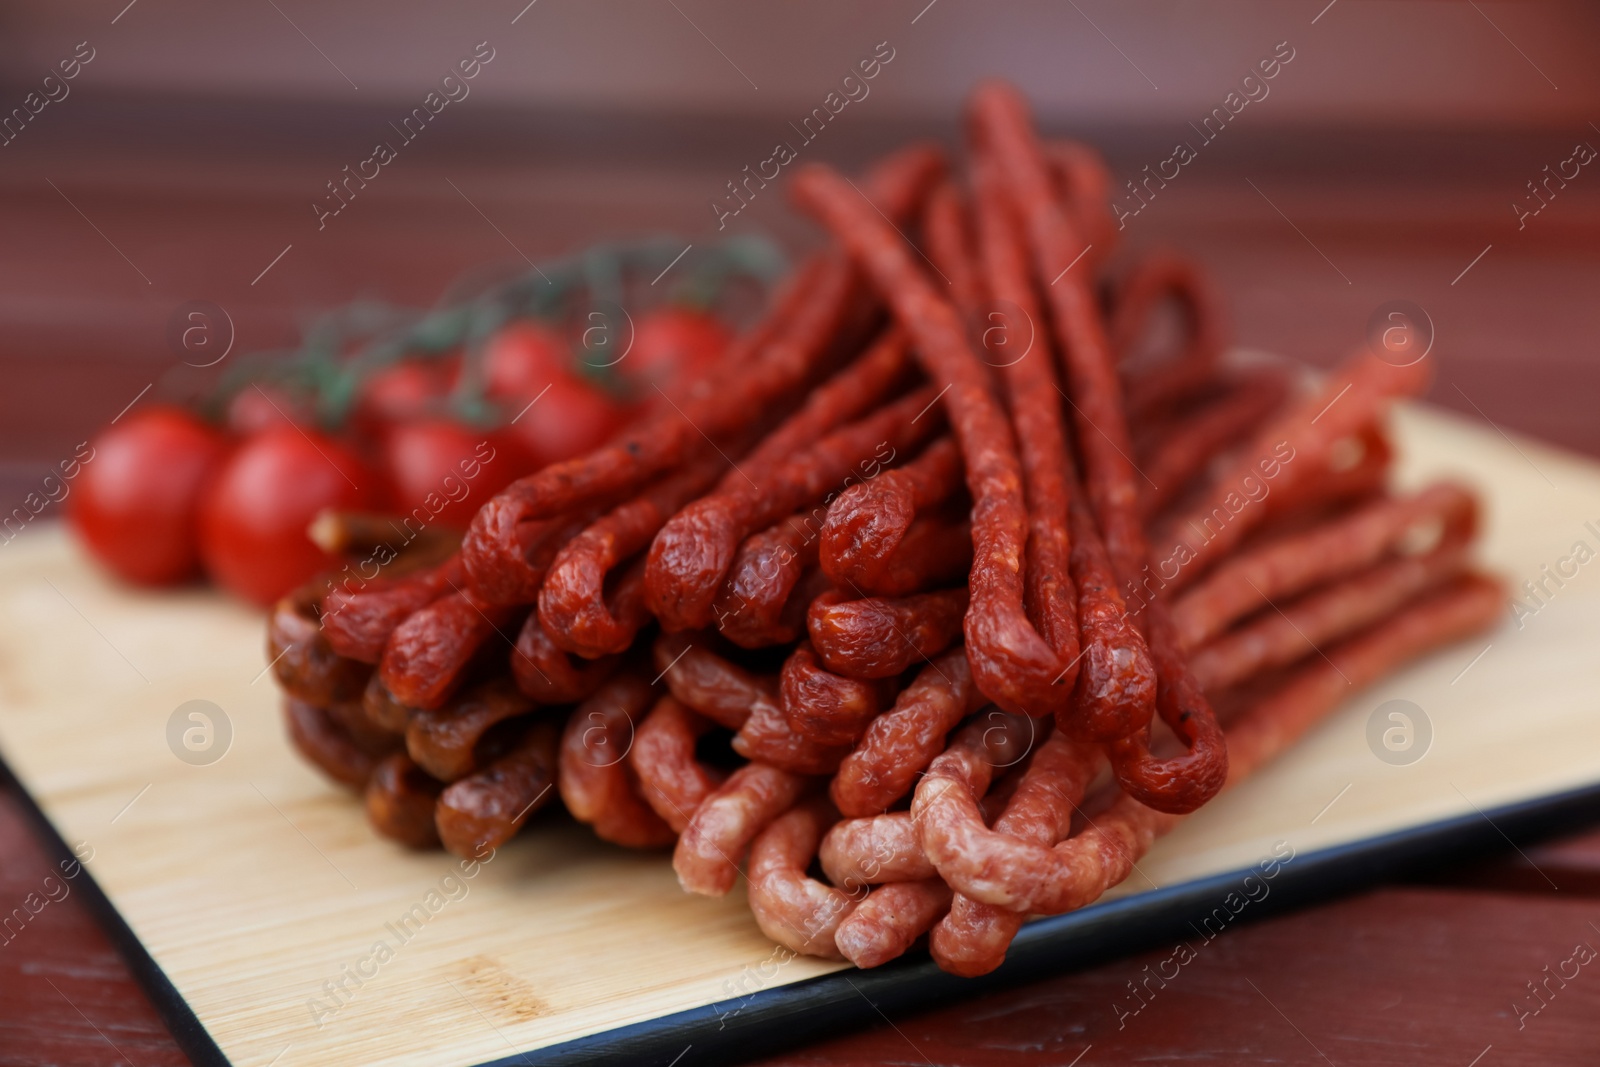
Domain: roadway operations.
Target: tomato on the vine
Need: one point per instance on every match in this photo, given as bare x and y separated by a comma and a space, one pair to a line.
672, 347
135, 502
446, 469
522, 359
571, 417
554, 412
258, 407
408, 389
254, 514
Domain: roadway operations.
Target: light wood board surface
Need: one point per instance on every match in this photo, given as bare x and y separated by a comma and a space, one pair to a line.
254, 883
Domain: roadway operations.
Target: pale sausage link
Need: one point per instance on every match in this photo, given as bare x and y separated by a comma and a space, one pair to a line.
887, 847
972, 939
791, 908
740, 700
874, 849
671, 779
721, 691
889, 921
712, 844
596, 781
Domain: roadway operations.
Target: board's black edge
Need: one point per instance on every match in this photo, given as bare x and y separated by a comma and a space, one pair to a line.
783, 1017
186, 1028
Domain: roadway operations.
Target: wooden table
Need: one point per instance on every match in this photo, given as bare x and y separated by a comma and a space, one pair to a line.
108, 222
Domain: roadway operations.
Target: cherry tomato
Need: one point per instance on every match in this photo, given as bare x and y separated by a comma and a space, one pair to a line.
522, 359
254, 408
448, 470
571, 418
137, 497
672, 347
404, 390
254, 515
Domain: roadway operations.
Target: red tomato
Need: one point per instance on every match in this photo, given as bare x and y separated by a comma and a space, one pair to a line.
254, 408
571, 418
448, 470
672, 347
136, 498
254, 515
522, 359
404, 390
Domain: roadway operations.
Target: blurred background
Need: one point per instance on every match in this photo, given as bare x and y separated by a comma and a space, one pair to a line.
182, 160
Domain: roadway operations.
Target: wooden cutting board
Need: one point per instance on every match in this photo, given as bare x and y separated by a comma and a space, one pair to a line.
257, 887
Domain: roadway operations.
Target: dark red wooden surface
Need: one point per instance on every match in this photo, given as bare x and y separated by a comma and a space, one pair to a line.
198, 206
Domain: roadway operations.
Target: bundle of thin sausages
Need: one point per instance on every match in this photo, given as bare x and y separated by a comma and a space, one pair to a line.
938, 583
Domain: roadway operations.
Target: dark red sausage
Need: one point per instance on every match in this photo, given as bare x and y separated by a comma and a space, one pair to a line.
828, 708
401, 798
320, 738
763, 600
1157, 278
866, 523
445, 742
1001, 126
579, 612
484, 810
358, 623
879, 637
690, 557
672, 779
428, 655
1010, 660
549, 675
303, 660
